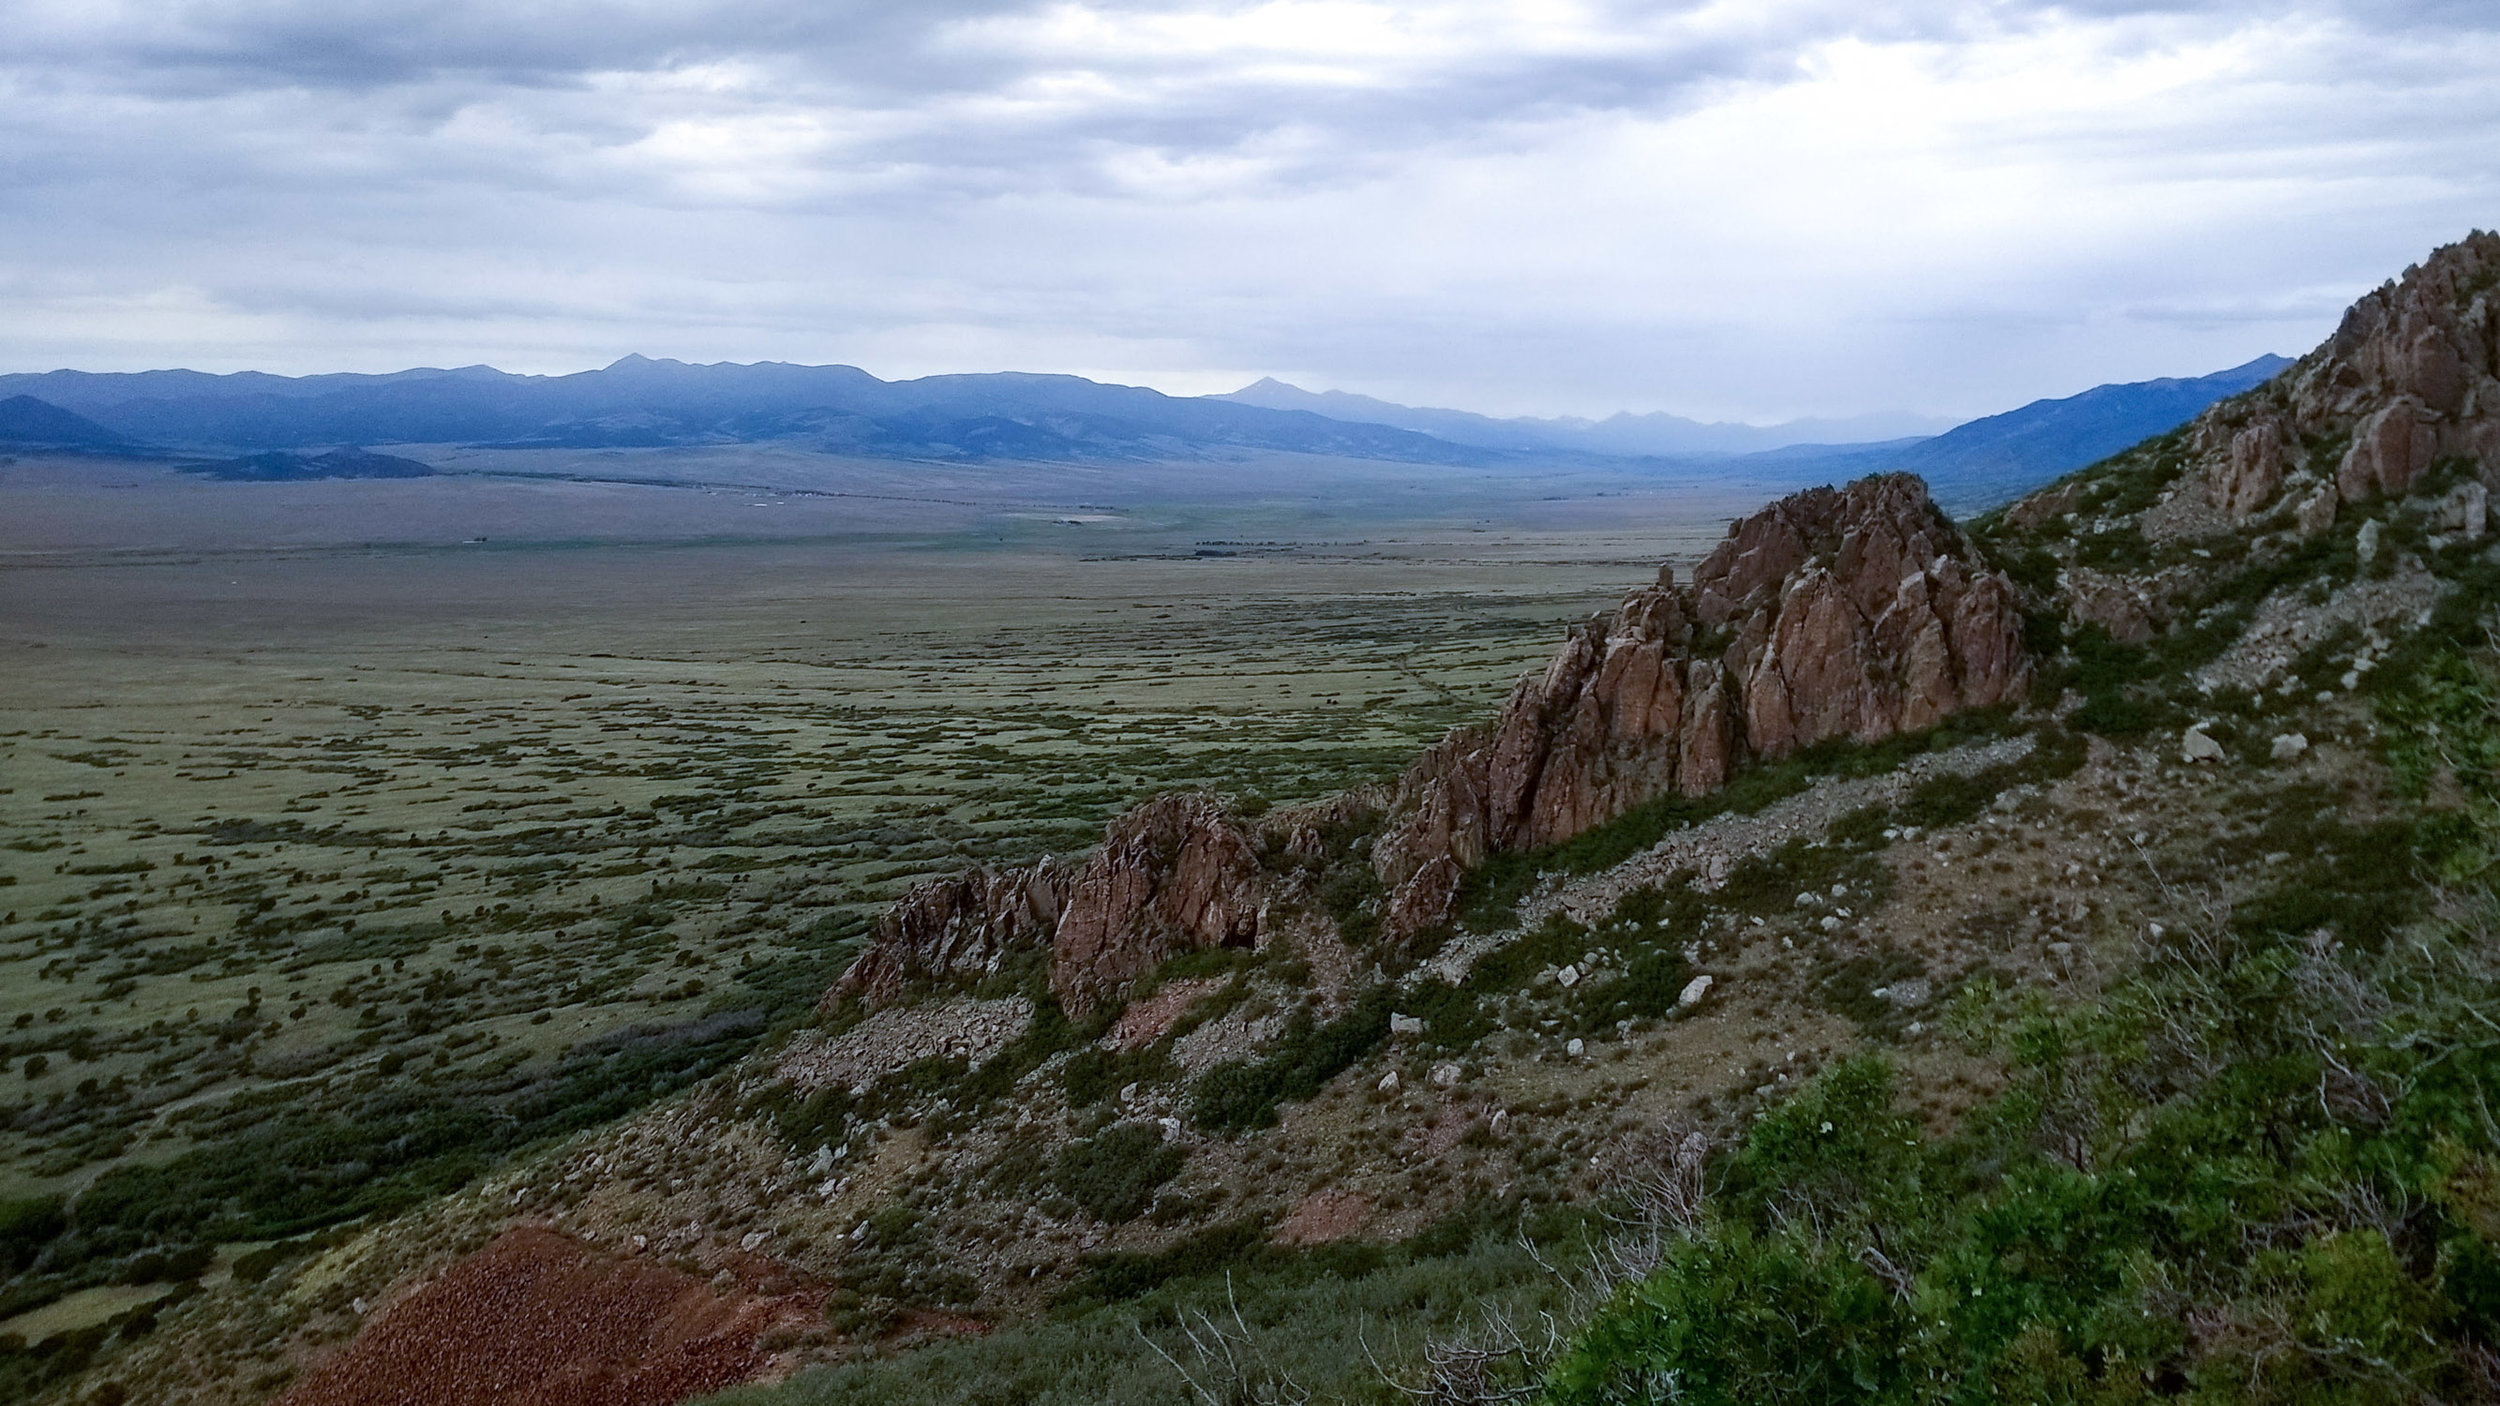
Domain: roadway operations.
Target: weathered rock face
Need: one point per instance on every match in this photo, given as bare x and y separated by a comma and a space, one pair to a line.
2412, 376
1174, 875
1856, 612
950, 929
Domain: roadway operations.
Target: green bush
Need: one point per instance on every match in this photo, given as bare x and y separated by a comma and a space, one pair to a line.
27, 1225
1239, 1095
1114, 1174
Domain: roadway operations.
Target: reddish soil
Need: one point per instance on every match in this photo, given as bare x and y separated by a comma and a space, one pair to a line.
1325, 1215
1144, 1022
540, 1319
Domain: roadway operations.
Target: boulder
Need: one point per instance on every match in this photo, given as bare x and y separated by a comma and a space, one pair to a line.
2246, 475
2390, 449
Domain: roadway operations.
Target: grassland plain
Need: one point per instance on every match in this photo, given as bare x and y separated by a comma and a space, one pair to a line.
359, 867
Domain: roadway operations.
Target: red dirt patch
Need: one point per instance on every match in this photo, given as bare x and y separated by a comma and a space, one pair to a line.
540, 1319
1144, 1023
1325, 1215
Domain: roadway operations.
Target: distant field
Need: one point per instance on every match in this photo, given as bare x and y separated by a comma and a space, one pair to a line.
532, 831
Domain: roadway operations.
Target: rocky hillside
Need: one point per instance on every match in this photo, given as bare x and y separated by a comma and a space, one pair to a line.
1854, 613
2042, 961
1858, 613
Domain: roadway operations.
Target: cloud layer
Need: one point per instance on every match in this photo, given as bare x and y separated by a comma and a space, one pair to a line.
1751, 209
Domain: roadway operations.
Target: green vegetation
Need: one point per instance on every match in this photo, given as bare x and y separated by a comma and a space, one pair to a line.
2263, 1168
1238, 1320
1243, 1094
281, 970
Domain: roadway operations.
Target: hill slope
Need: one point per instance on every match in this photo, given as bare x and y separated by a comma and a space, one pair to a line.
26, 420
1991, 459
2047, 960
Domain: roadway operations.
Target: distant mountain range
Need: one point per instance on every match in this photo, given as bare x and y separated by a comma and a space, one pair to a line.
1622, 435
26, 420
1984, 461
640, 402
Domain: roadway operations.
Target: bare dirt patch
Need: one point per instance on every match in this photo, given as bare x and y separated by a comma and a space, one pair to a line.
1144, 1023
540, 1319
1325, 1215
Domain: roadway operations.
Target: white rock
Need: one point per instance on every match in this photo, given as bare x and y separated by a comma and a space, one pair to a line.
2196, 746
2365, 542
1406, 1024
1388, 1082
2289, 745
1171, 1128
751, 1239
1576, 1048
1693, 991
1445, 1076
1831, 924
821, 1163
356, 1304
1568, 976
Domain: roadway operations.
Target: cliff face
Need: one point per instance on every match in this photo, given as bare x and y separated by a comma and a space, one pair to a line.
1174, 875
2412, 376
1856, 612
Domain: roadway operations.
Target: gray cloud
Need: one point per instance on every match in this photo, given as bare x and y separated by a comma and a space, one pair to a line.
1724, 208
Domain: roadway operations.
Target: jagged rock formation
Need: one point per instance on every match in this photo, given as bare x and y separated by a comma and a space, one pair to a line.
1853, 612
2411, 377
1856, 612
951, 929
1174, 875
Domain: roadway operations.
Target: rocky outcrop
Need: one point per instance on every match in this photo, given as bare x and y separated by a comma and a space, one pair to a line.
1174, 875
2411, 377
957, 929
1853, 612
2249, 472
1856, 612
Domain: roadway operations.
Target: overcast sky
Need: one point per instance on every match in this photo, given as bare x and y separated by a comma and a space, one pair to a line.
1754, 210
